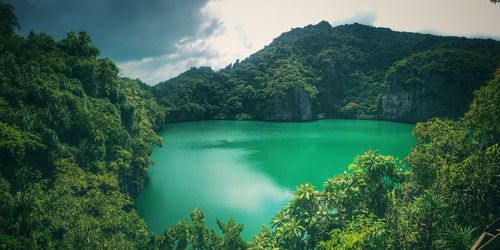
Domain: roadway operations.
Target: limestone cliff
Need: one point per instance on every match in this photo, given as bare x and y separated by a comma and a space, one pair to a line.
437, 83
410, 104
293, 105
349, 71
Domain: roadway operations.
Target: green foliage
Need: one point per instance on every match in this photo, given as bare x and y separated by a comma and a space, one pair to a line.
196, 235
263, 240
78, 45
75, 141
305, 221
363, 232
8, 21
446, 78
456, 237
232, 238
449, 191
434, 139
484, 112
83, 210
176, 237
429, 213
366, 189
337, 72
360, 197
461, 158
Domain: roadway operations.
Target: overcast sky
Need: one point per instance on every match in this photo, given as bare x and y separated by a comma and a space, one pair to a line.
155, 40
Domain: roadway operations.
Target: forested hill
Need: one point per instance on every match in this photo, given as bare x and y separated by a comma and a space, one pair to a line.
75, 141
348, 71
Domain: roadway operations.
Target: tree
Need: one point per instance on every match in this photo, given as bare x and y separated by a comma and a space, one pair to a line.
232, 238
363, 232
8, 20
366, 188
263, 240
78, 45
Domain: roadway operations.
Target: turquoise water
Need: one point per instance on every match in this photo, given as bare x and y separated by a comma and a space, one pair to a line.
248, 170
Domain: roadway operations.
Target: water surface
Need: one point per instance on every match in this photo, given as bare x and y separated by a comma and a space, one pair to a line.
247, 170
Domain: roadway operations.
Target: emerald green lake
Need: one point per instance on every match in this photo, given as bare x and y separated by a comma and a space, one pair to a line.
248, 170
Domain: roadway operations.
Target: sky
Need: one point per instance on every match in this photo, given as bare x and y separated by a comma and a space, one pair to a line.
155, 40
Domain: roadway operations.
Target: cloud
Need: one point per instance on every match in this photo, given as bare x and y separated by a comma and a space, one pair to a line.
446, 17
122, 29
234, 29
367, 18
155, 40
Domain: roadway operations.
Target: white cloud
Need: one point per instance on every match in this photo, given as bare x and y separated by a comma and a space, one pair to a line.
447, 17
234, 29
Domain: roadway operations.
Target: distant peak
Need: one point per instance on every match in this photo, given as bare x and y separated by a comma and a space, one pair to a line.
321, 25
324, 23
357, 27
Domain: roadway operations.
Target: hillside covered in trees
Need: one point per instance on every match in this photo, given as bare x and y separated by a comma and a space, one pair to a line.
442, 199
75, 140
348, 71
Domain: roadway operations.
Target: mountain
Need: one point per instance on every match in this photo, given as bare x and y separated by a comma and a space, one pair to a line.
349, 71
76, 139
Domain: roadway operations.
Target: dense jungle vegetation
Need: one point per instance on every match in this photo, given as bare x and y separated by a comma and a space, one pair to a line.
444, 197
348, 71
75, 141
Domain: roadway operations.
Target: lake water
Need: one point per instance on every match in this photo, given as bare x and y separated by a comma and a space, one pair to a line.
248, 170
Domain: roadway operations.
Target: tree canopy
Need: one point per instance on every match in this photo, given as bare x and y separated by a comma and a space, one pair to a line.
76, 139
348, 71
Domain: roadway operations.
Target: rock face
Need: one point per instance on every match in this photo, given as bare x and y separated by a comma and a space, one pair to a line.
350, 71
293, 105
433, 96
436, 83
131, 184
411, 104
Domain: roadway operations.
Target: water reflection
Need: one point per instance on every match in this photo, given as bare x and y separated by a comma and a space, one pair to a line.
213, 179
247, 170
